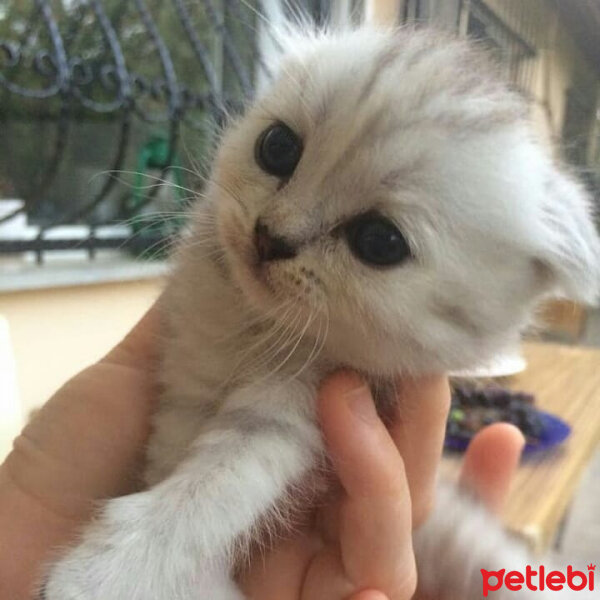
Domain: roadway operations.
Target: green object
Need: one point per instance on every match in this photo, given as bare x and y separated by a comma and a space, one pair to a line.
151, 228
457, 414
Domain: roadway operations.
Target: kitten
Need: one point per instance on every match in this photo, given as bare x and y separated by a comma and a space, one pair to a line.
382, 206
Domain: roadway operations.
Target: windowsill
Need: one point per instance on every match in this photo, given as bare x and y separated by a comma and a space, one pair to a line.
74, 268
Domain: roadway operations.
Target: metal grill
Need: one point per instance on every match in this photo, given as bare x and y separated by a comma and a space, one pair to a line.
512, 46
107, 107
101, 101
509, 30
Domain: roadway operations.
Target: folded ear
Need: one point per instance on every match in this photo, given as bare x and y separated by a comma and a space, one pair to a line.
571, 251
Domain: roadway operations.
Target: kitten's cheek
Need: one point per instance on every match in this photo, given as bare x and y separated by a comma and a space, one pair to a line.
239, 253
234, 238
253, 284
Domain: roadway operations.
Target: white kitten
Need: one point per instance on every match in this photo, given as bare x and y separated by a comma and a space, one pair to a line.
383, 206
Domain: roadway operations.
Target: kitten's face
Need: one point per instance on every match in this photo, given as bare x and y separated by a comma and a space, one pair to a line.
386, 185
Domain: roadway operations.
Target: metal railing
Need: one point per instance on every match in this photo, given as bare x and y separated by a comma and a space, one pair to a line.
109, 108
105, 106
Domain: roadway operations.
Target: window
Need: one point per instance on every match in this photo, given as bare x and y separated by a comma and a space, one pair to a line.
581, 133
100, 102
107, 110
510, 48
507, 36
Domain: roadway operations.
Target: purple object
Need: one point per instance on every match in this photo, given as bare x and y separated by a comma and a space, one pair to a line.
554, 432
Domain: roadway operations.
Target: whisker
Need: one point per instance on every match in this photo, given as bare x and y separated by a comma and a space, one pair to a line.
318, 345
293, 349
270, 353
277, 346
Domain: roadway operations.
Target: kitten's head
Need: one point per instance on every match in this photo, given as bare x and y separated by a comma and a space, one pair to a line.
388, 180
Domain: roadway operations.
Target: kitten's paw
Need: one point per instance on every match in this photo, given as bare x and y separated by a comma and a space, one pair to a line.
82, 576
88, 573
66, 581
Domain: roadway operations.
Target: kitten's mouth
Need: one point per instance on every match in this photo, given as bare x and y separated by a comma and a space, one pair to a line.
264, 254
264, 268
271, 282
252, 274
261, 274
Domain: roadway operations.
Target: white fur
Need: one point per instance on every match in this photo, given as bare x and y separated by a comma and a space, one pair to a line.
440, 147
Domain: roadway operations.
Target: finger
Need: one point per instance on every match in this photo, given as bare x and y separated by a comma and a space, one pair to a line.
376, 524
368, 595
88, 440
490, 463
271, 576
418, 429
139, 348
327, 520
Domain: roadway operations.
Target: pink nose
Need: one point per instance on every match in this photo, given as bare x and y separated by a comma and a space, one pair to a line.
269, 247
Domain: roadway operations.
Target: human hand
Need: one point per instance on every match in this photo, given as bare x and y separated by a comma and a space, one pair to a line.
84, 445
87, 444
359, 546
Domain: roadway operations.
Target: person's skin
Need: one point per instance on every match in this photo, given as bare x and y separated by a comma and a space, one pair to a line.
87, 444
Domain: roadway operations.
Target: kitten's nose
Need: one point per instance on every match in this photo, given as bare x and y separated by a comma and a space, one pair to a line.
270, 247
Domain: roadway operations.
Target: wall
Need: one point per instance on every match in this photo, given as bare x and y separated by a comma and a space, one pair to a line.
54, 333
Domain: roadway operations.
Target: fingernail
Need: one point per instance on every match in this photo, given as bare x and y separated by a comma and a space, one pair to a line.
361, 404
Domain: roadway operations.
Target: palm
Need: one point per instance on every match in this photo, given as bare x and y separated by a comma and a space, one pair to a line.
96, 425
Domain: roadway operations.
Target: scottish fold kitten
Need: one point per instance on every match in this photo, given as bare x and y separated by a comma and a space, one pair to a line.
384, 206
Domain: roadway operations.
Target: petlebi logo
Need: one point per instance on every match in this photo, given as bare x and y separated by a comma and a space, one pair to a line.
538, 580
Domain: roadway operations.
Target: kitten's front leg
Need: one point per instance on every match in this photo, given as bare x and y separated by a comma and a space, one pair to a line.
175, 541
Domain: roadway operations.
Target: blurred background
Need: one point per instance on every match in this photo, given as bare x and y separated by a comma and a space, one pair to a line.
109, 110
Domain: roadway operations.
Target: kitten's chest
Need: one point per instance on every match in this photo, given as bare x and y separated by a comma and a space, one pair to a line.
237, 406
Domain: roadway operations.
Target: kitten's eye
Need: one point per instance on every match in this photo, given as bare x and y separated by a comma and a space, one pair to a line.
278, 150
375, 240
